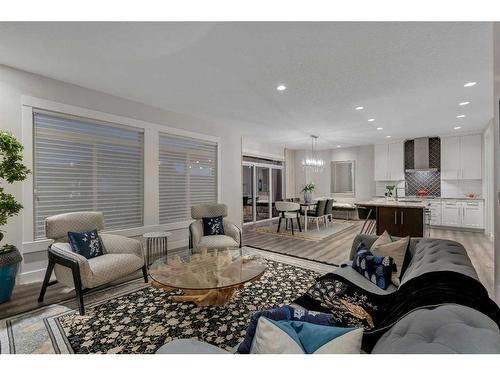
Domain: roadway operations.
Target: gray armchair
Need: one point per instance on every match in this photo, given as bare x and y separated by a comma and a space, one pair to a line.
122, 255
197, 241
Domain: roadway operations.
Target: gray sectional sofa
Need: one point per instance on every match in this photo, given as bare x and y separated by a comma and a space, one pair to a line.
449, 328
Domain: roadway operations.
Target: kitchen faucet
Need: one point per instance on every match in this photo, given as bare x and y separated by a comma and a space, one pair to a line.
397, 188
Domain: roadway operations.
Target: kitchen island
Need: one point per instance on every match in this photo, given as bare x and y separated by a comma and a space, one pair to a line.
400, 218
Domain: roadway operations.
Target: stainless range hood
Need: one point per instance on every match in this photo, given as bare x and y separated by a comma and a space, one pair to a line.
421, 156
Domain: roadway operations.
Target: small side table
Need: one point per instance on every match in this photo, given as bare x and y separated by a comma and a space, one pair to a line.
155, 246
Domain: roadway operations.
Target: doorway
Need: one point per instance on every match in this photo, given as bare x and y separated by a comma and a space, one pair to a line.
262, 187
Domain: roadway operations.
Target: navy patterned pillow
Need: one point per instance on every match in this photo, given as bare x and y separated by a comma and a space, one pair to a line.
377, 269
87, 244
213, 226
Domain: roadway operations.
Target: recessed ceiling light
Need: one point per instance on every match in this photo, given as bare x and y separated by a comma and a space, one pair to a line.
388, 136
380, 128
457, 127
338, 146
469, 84
463, 103
359, 108
371, 119
281, 88
460, 116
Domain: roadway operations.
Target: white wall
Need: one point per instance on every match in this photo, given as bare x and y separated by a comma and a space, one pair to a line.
252, 147
364, 178
496, 152
14, 84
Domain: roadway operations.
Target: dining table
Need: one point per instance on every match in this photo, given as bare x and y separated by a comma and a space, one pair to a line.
306, 206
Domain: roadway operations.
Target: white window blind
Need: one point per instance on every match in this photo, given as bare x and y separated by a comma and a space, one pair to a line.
188, 176
82, 165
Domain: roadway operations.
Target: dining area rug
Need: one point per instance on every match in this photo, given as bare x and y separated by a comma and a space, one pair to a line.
312, 234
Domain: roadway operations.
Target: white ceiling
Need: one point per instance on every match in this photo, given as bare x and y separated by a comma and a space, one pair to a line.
408, 76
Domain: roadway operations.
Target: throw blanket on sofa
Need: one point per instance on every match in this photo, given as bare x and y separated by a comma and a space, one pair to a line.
353, 306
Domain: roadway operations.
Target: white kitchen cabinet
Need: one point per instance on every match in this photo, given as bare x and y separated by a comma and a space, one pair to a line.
473, 215
463, 214
450, 158
389, 162
461, 157
471, 157
435, 211
450, 214
396, 163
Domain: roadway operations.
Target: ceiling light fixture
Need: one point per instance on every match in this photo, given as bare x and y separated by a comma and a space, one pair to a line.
371, 119
457, 127
380, 128
313, 162
469, 84
460, 116
359, 108
463, 103
388, 136
281, 88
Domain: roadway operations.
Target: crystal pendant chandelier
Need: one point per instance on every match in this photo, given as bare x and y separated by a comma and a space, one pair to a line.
313, 162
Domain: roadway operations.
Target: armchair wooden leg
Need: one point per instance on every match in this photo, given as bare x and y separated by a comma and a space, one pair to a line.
145, 274
77, 281
46, 280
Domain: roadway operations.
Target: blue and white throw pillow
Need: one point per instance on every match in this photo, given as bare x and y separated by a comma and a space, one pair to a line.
377, 269
296, 337
213, 226
87, 244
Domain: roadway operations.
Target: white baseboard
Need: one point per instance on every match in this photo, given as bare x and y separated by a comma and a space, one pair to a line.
36, 276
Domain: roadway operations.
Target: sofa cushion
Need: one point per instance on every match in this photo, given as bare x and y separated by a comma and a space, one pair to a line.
347, 272
87, 244
217, 242
295, 337
446, 329
213, 226
377, 269
396, 250
438, 255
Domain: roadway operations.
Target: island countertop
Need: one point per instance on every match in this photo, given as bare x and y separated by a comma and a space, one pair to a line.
391, 203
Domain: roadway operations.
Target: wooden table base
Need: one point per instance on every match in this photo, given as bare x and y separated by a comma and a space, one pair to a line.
212, 297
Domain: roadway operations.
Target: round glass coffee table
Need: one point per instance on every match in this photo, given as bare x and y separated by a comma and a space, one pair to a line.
208, 278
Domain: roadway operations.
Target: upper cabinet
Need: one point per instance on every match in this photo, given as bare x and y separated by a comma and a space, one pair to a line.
389, 162
461, 157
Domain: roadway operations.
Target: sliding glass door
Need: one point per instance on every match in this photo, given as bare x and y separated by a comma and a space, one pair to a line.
262, 187
248, 194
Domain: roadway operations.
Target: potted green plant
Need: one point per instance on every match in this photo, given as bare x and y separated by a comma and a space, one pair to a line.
389, 189
308, 190
11, 170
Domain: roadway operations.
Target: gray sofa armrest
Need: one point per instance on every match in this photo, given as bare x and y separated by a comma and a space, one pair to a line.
232, 231
115, 244
189, 346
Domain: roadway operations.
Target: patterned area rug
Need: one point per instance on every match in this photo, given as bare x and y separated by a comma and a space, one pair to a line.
141, 319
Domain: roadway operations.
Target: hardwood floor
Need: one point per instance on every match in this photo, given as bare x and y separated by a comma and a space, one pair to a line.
334, 250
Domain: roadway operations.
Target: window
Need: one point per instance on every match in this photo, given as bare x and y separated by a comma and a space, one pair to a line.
85, 165
343, 177
188, 176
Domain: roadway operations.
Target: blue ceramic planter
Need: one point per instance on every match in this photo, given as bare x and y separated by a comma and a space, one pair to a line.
9, 265
7, 281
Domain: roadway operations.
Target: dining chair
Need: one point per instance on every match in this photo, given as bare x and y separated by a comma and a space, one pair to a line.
329, 211
288, 211
318, 214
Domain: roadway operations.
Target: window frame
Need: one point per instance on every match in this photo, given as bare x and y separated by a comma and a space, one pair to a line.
150, 164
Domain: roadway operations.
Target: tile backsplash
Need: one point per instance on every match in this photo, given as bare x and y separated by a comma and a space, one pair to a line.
428, 180
458, 189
